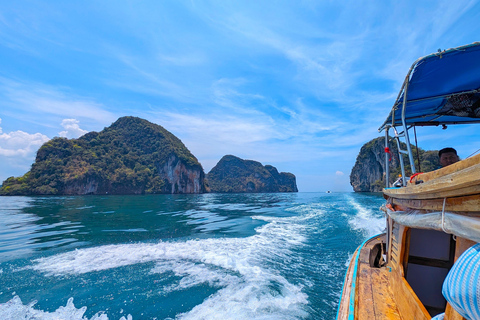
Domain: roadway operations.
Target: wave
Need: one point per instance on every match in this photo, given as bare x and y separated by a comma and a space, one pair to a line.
245, 271
15, 309
366, 220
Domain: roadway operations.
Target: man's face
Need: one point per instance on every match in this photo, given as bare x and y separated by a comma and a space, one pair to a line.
448, 158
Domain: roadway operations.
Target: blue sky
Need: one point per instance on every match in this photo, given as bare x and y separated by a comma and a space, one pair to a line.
300, 85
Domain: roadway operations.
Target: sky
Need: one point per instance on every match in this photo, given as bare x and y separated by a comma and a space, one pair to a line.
300, 85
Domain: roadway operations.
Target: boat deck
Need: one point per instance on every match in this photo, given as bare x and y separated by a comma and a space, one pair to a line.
375, 298
375, 288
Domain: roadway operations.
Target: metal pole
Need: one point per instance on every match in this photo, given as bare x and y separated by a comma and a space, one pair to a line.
400, 156
407, 139
402, 166
387, 164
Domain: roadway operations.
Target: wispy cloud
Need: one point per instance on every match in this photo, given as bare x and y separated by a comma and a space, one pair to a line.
220, 129
26, 99
299, 83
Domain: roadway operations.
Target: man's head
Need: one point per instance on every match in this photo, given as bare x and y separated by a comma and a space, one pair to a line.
448, 156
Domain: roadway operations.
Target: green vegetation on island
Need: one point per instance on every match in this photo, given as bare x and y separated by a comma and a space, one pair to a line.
232, 174
368, 173
132, 156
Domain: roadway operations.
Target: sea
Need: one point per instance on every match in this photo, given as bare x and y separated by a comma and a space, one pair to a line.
208, 256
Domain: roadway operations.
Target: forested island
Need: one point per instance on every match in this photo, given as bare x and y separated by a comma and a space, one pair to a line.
232, 174
132, 156
368, 173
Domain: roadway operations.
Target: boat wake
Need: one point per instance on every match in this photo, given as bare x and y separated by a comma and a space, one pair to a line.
14, 309
366, 220
244, 272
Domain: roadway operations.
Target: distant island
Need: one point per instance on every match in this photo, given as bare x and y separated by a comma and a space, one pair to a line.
368, 173
132, 156
232, 174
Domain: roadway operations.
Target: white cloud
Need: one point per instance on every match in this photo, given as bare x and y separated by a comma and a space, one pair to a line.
339, 173
72, 129
20, 143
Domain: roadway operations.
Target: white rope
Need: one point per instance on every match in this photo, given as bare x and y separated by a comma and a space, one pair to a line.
443, 215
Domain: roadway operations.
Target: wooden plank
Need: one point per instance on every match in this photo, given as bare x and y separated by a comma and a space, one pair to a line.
408, 304
396, 239
376, 295
381, 293
406, 250
462, 245
405, 193
458, 166
347, 285
374, 290
459, 183
457, 204
451, 314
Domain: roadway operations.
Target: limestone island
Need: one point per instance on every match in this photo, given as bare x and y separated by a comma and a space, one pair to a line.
368, 173
232, 174
132, 156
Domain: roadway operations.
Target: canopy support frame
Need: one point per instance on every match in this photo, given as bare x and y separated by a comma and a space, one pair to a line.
407, 138
400, 157
387, 160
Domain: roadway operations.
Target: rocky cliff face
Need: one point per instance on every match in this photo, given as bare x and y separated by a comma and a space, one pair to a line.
368, 173
132, 156
179, 178
232, 174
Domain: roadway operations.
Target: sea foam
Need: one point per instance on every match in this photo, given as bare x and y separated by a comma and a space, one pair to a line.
365, 220
15, 309
245, 271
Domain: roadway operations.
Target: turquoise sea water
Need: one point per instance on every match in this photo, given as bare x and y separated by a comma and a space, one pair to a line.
211, 256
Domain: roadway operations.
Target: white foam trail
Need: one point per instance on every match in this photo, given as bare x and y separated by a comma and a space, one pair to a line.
347, 262
365, 220
194, 274
308, 211
250, 287
15, 309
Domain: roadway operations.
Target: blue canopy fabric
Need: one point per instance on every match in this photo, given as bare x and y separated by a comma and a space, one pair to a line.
442, 88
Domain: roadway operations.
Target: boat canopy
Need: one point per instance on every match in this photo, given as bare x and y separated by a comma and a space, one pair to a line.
441, 88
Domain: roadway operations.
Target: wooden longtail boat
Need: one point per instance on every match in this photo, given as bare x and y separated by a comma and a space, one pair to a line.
433, 219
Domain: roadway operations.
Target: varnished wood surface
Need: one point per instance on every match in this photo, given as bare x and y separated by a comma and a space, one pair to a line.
408, 304
427, 176
347, 286
451, 314
457, 204
383, 293
462, 245
457, 180
459, 183
375, 299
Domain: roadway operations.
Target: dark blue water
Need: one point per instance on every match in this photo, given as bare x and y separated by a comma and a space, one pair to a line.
212, 256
